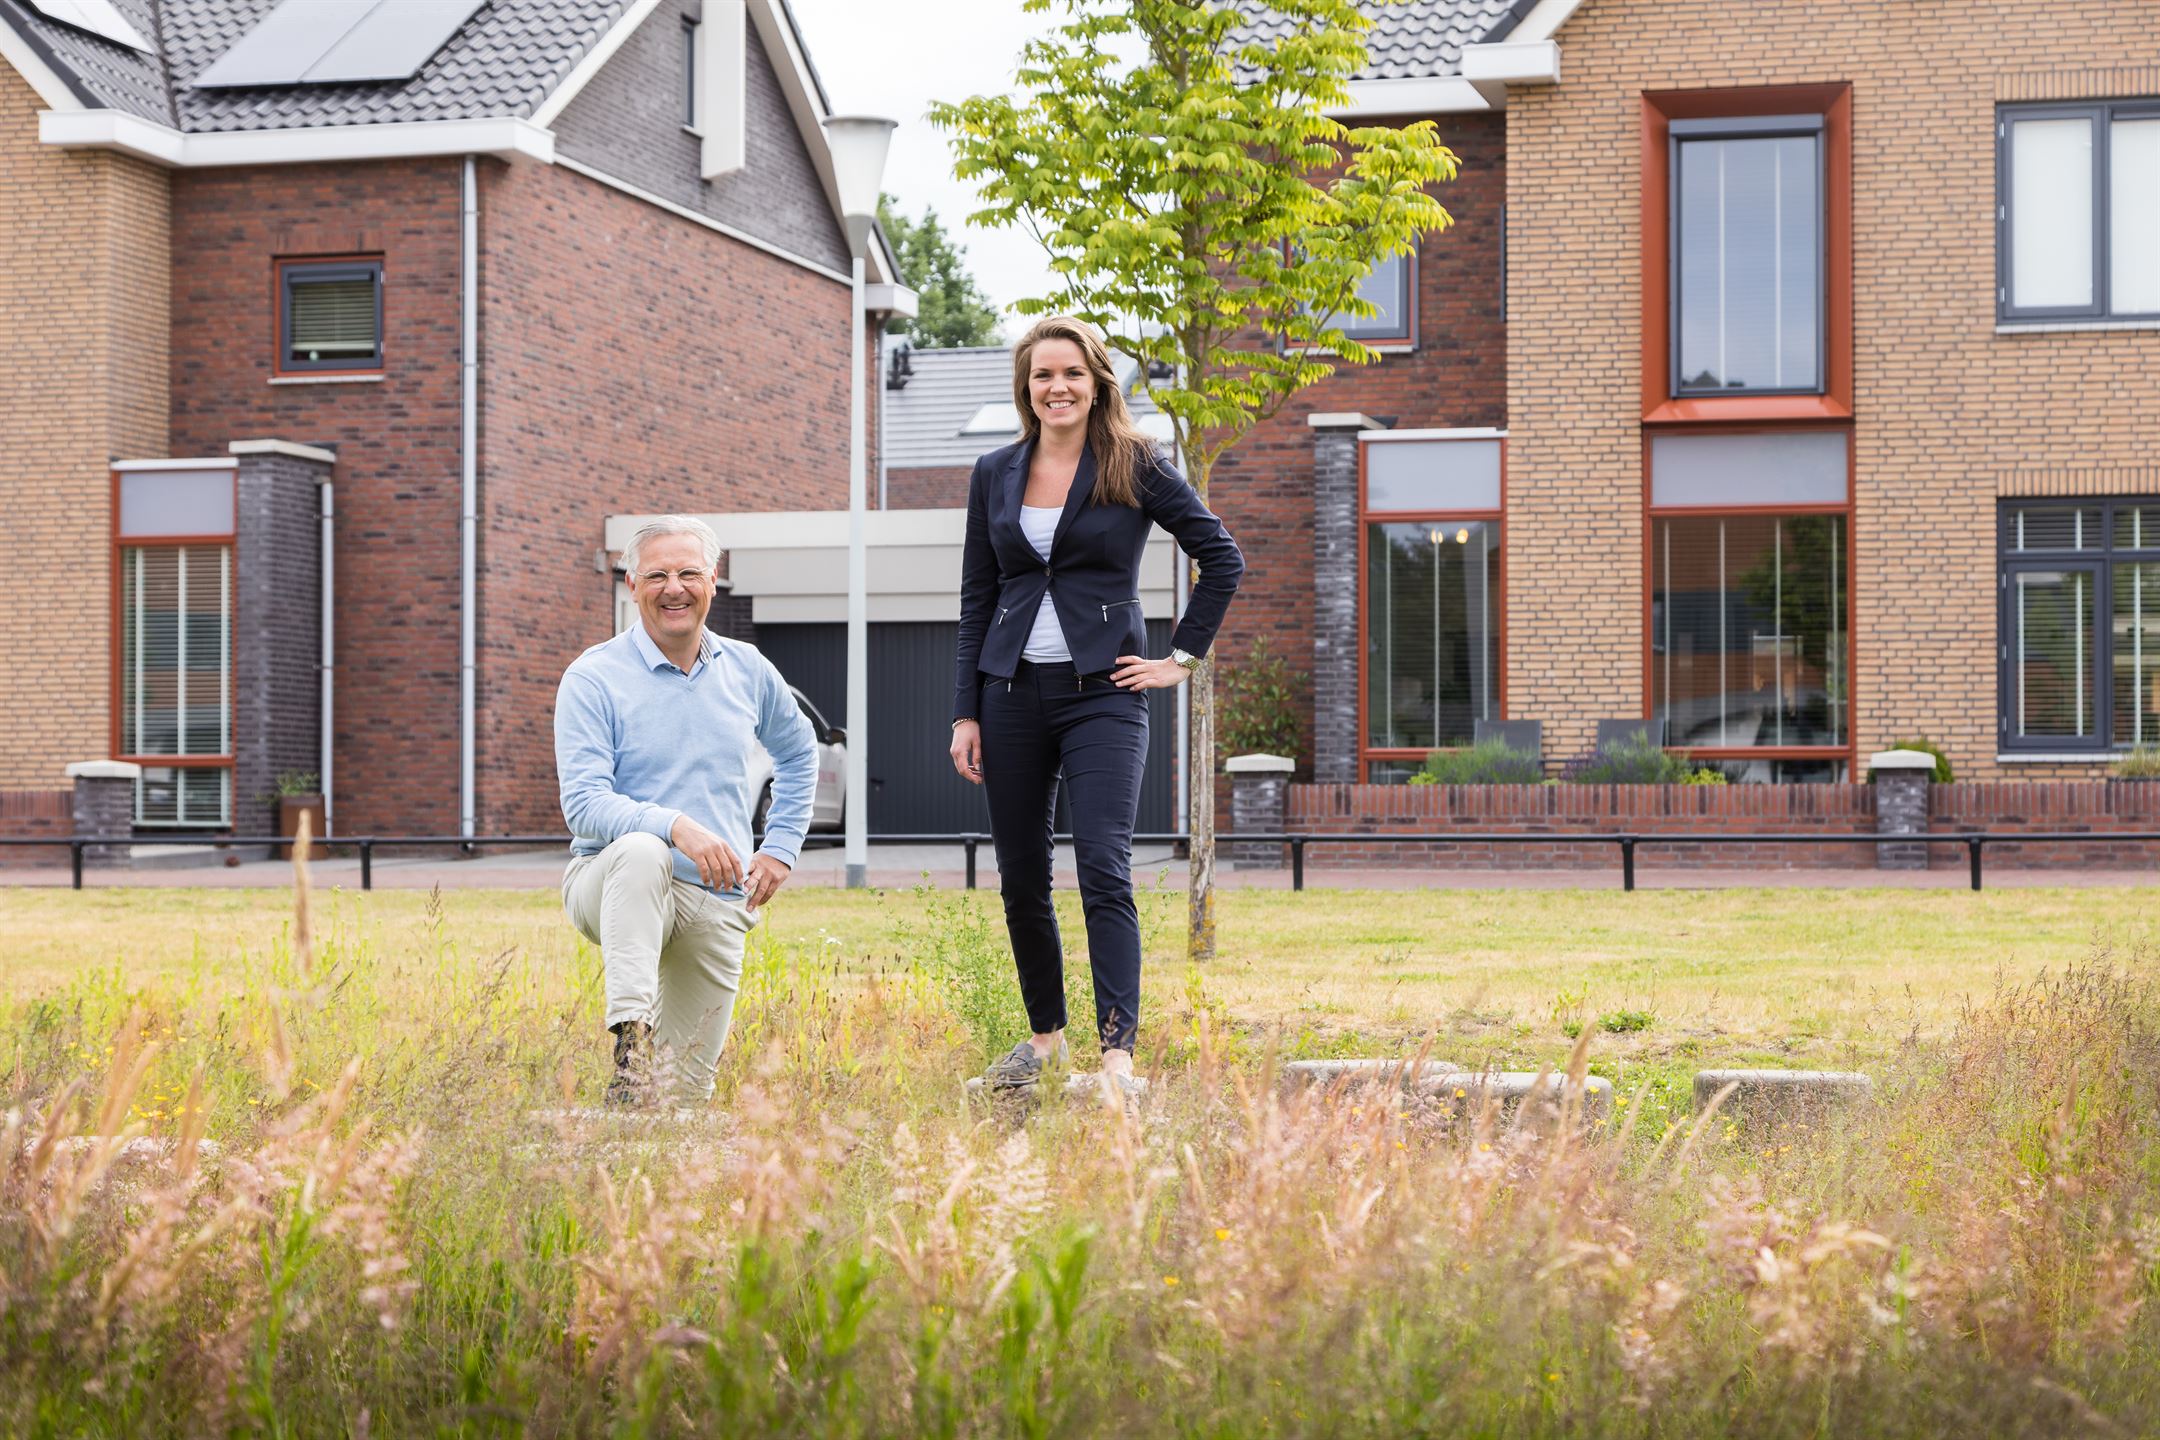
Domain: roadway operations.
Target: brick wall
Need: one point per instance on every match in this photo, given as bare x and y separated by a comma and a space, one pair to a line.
36, 813
83, 295
628, 122
1554, 815
1949, 415
277, 633
927, 487
1457, 376
397, 442
636, 363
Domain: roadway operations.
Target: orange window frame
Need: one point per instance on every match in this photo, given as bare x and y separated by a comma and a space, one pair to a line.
1652, 513
1367, 517
230, 541
1659, 109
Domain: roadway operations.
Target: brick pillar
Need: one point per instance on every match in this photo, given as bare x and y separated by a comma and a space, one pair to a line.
1335, 594
105, 808
277, 625
1259, 803
1902, 778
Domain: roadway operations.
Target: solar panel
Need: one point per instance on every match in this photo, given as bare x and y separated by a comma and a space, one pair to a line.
333, 42
99, 17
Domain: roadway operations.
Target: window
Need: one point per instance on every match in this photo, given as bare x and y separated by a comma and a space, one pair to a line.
1431, 597
173, 696
329, 316
2080, 625
2078, 211
689, 74
1391, 288
1747, 239
1750, 644
1747, 255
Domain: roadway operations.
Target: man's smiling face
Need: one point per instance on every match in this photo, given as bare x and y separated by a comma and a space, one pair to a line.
673, 587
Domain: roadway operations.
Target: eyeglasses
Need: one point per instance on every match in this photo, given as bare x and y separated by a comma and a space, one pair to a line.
689, 579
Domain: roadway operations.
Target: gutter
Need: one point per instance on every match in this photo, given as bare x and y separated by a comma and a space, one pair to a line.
469, 491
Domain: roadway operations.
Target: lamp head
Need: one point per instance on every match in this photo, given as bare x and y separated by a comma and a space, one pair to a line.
859, 144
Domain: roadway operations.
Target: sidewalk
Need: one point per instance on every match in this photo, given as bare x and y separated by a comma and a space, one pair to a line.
906, 866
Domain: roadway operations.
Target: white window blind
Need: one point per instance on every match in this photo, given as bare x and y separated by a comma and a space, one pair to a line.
333, 319
2134, 216
2051, 213
175, 677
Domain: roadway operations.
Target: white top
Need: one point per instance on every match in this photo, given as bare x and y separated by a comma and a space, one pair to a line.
1046, 642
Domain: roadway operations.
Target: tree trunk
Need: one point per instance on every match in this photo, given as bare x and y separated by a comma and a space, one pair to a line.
1200, 805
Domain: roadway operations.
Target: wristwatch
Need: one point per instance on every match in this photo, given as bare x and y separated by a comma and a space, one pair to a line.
1184, 660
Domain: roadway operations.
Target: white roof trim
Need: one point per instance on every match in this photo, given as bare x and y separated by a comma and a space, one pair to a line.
695, 218
1543, 21
284, 447
1468, 433
505, 136
809, 111
1425, 96
582, 73
42, 78
213, 464
892, 300
1528, 62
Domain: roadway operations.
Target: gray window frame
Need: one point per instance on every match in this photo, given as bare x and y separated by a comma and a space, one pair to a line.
2101, 560
1746, 127
293, 272
689, 73
2100, 113
1407, 333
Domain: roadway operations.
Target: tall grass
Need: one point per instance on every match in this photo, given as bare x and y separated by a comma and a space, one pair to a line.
347, 1192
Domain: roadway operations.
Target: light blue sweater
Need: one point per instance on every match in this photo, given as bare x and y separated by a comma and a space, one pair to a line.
639, 743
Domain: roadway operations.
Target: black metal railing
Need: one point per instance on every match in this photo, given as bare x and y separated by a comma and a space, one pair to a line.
971, 843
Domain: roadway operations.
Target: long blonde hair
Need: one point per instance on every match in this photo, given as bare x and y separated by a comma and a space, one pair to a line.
1122, 449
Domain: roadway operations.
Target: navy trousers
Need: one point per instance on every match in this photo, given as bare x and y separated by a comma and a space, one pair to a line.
1046, 721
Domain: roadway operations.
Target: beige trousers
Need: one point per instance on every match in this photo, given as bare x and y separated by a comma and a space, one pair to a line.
671, 954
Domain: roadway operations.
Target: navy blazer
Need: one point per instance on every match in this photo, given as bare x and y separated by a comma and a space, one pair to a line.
1093, 574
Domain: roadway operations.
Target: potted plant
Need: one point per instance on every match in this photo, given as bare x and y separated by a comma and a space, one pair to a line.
299, 792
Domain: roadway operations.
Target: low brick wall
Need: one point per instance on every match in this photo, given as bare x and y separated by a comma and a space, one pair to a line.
1561, 815
36, 813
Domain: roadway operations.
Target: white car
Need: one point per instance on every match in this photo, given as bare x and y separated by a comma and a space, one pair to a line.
828, 808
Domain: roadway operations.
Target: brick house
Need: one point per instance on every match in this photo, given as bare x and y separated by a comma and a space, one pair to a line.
1787, 384
329, 352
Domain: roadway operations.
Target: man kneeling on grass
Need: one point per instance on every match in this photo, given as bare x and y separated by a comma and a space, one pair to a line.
654, 732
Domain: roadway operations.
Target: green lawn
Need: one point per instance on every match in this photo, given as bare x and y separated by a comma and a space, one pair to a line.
1809, 977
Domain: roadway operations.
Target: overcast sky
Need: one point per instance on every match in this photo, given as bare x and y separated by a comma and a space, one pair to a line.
879, 57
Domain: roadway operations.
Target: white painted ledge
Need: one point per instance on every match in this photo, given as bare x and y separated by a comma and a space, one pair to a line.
284, 447
371, 379
104, 770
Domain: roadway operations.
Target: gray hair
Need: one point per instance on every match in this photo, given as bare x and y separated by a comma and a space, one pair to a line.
661, 525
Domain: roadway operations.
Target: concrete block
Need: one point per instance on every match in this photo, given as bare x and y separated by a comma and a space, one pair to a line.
1359, 1074
1468, 1091
1772, 1095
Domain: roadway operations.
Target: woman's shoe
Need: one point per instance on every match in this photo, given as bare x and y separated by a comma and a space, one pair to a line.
1023, 1067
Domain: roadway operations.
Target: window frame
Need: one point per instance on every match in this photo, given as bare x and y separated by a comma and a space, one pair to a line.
2101, 114
1660, 109
1399, 342
324, 269
690, 67
2102, 560
1652, 513
1747, 127
230, 541
1367, 517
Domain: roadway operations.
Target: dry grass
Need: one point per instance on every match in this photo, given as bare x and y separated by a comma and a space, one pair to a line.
249, 1190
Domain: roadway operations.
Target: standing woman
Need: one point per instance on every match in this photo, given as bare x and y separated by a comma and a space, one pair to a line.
1050, 670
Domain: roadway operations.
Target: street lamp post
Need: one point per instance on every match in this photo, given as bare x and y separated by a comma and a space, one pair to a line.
858, 144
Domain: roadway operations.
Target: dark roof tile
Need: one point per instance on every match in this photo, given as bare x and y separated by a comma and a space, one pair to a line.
1412, 39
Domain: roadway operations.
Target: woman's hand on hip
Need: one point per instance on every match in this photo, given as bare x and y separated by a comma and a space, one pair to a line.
1137, 672
967, 750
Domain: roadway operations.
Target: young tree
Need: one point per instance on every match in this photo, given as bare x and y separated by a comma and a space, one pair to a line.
953, 309
1200, 206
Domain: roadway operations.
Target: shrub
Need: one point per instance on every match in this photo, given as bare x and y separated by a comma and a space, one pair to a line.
2142, 763
1636, 760
1926, 747
1489, 762
1259, 709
